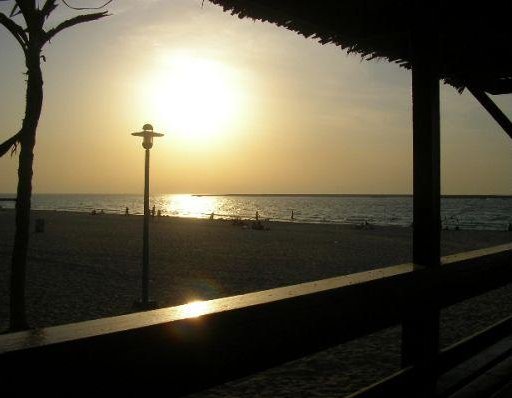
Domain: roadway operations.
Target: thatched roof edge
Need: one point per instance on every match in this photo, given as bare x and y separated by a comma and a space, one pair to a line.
475, 45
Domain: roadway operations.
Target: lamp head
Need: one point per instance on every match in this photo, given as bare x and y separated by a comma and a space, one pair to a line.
147, 135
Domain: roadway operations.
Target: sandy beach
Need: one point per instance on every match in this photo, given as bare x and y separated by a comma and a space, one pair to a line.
85, 267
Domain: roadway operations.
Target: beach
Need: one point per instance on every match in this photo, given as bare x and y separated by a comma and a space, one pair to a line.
86, 267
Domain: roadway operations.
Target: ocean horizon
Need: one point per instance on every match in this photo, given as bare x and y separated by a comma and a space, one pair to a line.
257, 194
492, 212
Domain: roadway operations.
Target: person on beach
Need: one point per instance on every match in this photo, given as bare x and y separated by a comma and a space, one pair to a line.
153, 211
126, 211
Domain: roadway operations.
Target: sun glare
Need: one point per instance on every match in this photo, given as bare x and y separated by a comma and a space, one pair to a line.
195, 309
194, 98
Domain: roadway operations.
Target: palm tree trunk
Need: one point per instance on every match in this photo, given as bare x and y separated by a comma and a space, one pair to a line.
34, 102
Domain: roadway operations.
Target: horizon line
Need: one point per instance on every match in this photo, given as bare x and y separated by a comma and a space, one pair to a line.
304, 194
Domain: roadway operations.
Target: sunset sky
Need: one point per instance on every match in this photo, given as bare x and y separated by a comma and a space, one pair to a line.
246, 107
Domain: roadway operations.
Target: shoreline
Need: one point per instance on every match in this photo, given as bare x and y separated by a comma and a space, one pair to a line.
490, 212
352, 222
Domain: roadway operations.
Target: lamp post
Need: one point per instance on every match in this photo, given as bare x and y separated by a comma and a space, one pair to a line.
147, 134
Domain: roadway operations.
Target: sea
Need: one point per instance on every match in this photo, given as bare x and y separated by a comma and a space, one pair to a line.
457, 212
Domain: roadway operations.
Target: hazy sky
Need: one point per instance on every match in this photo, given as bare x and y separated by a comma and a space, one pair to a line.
246, 107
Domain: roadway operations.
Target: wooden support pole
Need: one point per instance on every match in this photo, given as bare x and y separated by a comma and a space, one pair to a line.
493, 110
426, 164
420, 331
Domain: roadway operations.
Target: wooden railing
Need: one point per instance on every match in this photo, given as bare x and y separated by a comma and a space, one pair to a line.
215, 341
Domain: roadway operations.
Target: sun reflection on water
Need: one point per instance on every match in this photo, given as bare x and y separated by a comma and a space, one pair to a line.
189, 205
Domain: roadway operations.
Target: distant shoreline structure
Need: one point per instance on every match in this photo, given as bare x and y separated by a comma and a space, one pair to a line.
346, 195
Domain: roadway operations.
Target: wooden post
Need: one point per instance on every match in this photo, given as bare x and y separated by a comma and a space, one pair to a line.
420, 331
426, 163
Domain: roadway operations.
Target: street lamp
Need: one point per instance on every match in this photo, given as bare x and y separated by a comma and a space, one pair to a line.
147, 134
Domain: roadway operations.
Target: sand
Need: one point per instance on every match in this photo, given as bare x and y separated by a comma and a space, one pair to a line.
86, 267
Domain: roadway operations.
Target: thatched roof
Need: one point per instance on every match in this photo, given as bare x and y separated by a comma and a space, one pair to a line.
476, 37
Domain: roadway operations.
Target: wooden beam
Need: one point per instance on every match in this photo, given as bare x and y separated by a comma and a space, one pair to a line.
493, 110
404, 382
224, 339
400, 385
468, 347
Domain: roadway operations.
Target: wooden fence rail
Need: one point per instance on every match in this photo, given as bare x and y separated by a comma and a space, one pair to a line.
219, 340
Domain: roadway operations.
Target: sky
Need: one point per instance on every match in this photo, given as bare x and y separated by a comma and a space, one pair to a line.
245, 107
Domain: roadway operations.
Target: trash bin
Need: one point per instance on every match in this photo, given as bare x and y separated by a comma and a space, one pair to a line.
39, 225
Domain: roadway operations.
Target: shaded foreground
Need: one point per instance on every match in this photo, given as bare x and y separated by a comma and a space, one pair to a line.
95, 260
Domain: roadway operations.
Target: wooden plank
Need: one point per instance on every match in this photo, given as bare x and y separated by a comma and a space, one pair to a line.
235, 337
484, 270
400, 384
472, 376
456, 280
404, 383
471, 345
224, 339
305, 291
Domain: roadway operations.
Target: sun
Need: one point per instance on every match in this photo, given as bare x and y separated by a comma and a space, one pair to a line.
194, 98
